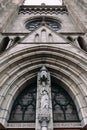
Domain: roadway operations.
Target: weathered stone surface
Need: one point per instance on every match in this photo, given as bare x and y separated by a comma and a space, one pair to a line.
61, 53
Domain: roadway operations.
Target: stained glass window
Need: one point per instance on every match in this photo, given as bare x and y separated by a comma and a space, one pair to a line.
24, 108
64, 109
35, 23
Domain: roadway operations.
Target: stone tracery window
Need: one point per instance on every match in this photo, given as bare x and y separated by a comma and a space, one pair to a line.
35, 23
24, 107
64, 109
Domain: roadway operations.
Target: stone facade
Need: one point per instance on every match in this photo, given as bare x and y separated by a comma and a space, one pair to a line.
24, 52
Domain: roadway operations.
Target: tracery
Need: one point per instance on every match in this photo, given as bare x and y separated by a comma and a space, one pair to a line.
64, 109
24, 107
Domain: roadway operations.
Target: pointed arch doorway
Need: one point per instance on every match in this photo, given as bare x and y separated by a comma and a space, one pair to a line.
24, 109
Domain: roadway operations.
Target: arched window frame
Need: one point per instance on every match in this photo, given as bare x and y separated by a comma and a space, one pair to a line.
63, 116
25, 101
56, 91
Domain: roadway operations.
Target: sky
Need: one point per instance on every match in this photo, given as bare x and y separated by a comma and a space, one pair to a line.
39, 2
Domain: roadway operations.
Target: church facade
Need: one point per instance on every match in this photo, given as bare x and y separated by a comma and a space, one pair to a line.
43, 65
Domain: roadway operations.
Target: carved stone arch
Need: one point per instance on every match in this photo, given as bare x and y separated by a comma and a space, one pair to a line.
18, 88
24, 66
28, 80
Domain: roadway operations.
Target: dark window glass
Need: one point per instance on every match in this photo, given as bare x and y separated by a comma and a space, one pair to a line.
64, 109
33, 24
55, 25
24, 107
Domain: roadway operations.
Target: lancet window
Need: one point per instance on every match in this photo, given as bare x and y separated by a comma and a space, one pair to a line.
24, 107
64, 109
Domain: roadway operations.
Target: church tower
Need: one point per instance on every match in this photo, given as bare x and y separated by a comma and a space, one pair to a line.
43, 64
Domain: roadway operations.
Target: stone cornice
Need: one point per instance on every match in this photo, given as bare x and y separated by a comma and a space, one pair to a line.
63, 33
43, 9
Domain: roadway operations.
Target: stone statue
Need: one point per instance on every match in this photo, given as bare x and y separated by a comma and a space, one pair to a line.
44, 100
44, 115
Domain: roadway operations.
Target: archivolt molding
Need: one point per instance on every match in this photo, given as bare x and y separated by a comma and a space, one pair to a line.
20, 68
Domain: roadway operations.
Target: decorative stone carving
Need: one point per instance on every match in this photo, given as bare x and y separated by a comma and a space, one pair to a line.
44, 115
43, 74
43, 10
44, 100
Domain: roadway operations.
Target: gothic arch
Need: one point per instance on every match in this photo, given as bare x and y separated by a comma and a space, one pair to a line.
24, 65
16, 103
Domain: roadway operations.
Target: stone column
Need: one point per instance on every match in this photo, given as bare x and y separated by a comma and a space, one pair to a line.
44, 120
